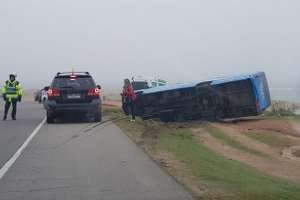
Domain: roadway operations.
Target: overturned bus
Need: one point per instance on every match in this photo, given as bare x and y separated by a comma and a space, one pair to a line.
229, 97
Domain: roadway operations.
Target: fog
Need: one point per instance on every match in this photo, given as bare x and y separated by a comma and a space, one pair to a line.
177, 40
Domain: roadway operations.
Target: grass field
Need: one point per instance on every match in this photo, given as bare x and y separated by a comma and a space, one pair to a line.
219, 134
223, 178
269, 138
237, 181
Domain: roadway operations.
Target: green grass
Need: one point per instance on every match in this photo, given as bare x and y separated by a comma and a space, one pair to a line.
112, 111
237, 180
220, 135
282, 113
297, 117
133, 130
269, 138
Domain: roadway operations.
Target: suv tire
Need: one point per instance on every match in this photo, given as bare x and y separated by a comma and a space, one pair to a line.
50, 119
98, 116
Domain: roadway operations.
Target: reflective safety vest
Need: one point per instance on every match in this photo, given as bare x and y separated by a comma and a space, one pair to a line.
12, 89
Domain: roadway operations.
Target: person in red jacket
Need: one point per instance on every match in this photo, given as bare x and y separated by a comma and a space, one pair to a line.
129, 98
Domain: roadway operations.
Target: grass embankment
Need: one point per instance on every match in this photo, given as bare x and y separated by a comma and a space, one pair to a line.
222, 178
290, 117
296, 118
220, 135
270, 138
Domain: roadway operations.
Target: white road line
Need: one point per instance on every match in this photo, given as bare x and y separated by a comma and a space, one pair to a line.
13, 159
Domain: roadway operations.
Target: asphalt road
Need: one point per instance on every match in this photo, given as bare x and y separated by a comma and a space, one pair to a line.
73, 161
14, 133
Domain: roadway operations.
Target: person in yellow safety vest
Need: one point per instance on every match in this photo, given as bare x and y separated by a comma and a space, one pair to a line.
12, 93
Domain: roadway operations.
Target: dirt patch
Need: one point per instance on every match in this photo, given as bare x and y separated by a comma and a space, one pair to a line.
297, 153
284, 130
292, 153
277, 167
245, 140
285, 127
296, 125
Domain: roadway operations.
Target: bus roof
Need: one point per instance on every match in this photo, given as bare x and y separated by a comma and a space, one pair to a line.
214, 81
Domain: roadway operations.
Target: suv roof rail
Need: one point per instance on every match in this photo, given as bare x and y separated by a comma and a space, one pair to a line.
72, 73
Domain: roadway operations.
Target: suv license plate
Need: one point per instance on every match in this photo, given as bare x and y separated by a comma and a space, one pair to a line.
74, 96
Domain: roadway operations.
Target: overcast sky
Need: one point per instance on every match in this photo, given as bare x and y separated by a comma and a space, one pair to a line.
178, 40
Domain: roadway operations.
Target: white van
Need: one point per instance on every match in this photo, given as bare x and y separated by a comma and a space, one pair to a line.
140, 82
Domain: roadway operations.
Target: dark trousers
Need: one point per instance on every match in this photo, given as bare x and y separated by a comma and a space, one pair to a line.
128, 108
131, 105
125, 106
13, 102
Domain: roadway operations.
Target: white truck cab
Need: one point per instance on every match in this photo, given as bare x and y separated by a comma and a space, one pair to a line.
141, 82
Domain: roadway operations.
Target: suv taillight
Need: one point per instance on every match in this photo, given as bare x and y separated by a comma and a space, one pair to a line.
53, 93
94, 92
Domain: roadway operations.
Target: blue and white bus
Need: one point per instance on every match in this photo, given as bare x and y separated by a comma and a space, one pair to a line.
228, 97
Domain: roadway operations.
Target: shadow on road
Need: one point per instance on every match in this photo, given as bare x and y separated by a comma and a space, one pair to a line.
73, 118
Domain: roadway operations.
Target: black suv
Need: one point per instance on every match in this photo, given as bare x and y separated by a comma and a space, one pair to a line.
73, 92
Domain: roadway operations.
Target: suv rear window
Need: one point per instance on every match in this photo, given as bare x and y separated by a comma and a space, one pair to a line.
78, 82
